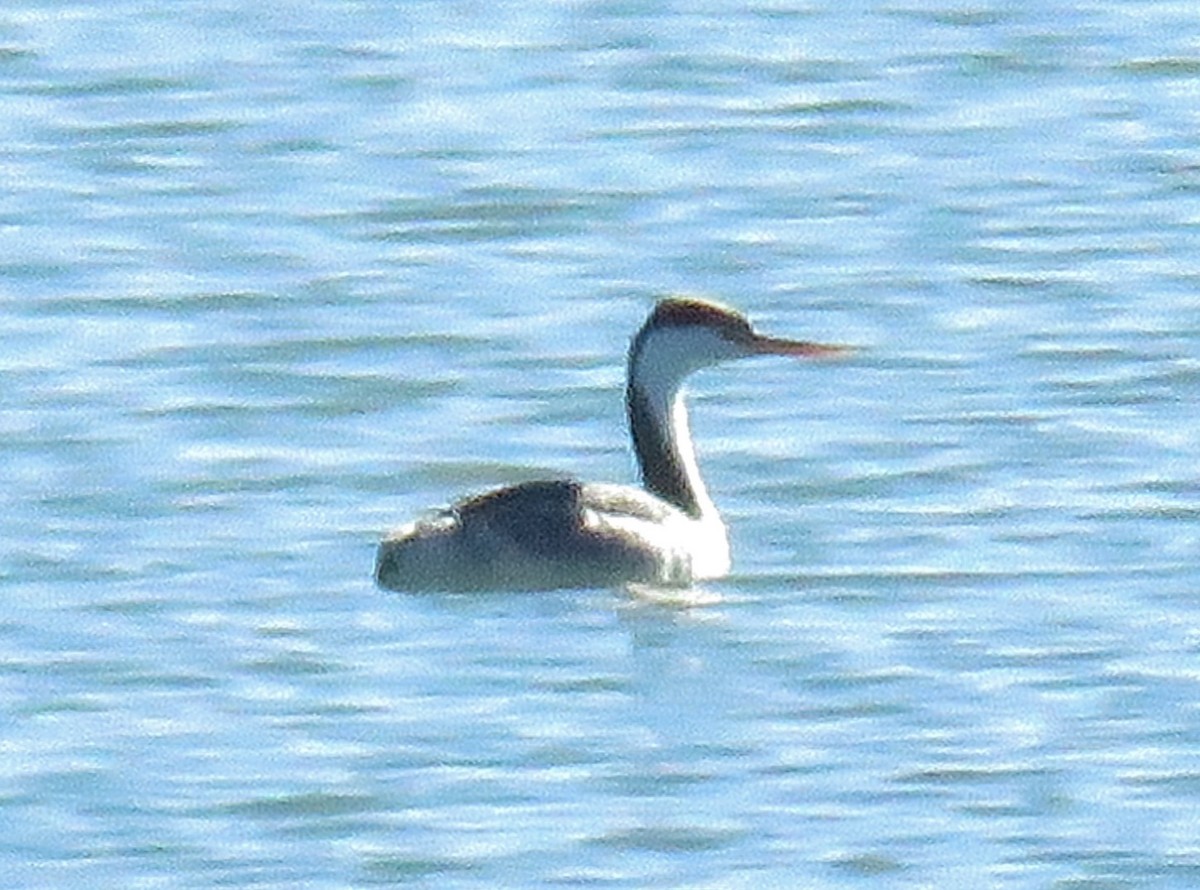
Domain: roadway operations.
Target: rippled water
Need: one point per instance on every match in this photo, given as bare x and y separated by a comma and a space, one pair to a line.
274, 278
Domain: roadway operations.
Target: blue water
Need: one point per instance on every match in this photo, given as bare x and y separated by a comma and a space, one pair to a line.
276, 277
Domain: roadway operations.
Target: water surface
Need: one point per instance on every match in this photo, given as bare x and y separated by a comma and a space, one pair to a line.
275, 279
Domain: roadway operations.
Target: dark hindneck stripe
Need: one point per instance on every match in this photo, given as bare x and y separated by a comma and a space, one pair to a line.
662, 472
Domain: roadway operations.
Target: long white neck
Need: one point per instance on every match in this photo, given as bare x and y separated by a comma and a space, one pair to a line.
662, 437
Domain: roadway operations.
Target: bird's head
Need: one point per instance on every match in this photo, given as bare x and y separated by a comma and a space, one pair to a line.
685, 334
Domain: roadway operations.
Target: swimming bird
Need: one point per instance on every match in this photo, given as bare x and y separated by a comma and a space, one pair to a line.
563, 533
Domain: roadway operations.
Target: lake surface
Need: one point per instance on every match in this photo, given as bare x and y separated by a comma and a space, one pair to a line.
276, 277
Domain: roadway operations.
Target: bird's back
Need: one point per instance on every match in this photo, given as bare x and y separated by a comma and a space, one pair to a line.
539, 536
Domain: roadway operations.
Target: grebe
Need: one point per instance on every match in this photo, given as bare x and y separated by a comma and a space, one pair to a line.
563, 533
